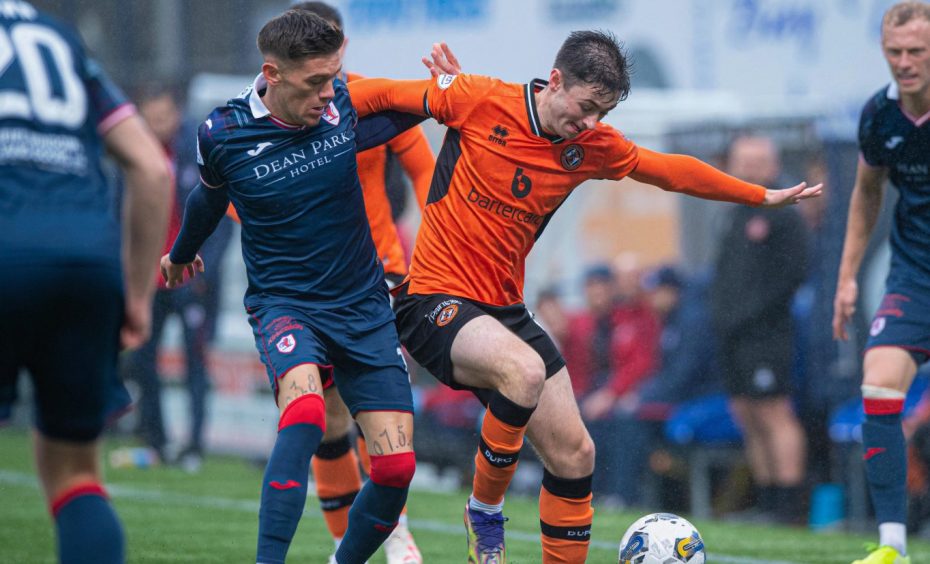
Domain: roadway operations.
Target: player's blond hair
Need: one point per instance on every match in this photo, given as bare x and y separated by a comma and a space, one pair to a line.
903, 12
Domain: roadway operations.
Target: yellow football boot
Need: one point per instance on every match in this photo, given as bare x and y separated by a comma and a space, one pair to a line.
883, 555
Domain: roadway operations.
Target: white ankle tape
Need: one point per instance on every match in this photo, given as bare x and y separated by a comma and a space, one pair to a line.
878, 392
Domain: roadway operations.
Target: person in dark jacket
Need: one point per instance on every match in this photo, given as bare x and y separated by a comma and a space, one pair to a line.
761, 263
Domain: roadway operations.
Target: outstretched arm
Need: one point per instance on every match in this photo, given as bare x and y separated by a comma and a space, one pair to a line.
205, 208
688, 175
863, 212
373, 95
377, 129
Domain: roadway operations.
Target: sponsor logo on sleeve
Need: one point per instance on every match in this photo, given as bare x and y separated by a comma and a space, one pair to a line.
445, 81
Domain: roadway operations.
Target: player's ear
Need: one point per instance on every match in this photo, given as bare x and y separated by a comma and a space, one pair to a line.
272, 72
555, 79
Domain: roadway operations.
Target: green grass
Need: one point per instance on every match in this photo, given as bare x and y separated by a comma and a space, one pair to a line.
170, 516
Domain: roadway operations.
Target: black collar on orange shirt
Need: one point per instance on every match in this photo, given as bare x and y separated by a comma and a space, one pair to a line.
530, 90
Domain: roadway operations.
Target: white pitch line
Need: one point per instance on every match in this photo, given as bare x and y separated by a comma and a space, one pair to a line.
185, 500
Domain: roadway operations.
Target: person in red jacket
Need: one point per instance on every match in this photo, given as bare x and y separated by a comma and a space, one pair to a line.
610, 349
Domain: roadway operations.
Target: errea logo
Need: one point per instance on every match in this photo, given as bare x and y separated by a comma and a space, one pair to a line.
498, 133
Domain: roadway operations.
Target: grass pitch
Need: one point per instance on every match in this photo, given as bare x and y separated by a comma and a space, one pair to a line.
171, 516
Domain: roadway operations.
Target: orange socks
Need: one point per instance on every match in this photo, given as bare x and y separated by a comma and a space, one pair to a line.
335, 470
499, 448
565, 516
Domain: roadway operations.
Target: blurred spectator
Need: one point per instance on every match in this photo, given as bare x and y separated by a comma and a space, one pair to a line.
816, 365
761, 263
687, 359
551, 315
685, 364
207, 286
159, 108
610, 348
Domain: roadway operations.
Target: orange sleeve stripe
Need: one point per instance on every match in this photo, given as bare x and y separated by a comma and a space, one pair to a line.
688, 175
418, 161
372, 95
232, 213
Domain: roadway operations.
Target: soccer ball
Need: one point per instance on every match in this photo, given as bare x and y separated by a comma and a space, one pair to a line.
662, 538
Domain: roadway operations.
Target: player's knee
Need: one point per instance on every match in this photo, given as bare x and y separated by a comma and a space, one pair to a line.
393, 470
308, 409
586, 452
883, 380
573, 457
527, 372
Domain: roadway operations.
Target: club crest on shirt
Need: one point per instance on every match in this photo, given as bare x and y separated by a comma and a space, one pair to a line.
331, 114
286, 343
572, 156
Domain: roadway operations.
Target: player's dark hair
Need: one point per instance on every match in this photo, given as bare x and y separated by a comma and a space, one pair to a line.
296, 35
903, 12
321, 9
595, 58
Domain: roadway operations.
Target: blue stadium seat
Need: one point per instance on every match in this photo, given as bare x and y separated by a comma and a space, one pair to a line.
705, 421
706, 430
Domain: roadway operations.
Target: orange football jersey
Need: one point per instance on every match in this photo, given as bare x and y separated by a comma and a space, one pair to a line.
499, 178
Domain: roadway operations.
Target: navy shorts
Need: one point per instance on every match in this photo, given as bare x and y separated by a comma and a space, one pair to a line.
428, 325
60, 323
355, 346
903, 320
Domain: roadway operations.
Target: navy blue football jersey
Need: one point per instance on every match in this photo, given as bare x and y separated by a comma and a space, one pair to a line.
296, 189
55, 104
888, 138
